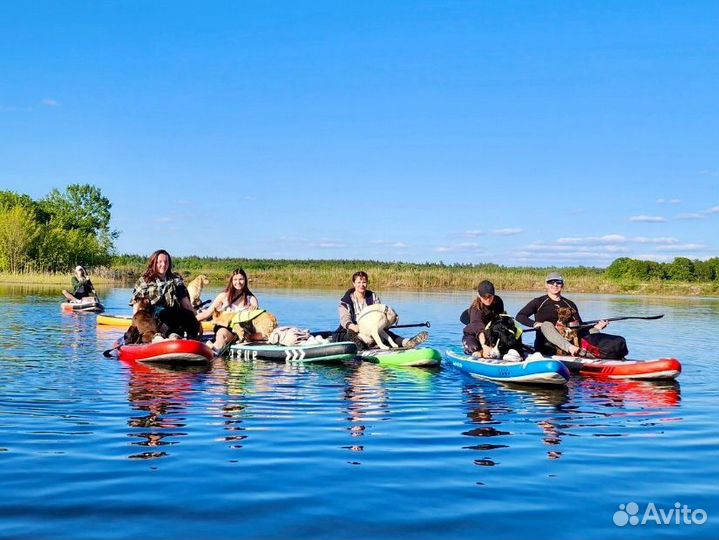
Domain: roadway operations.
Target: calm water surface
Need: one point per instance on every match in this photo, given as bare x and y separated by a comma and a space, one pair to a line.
93, 448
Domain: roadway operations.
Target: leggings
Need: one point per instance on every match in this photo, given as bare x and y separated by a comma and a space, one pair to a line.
180, 321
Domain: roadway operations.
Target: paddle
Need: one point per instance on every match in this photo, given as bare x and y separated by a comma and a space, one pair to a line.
589, 324
327, 333
108, 351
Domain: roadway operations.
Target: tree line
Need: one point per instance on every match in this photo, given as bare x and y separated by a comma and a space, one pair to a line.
72, 227
680, 269
57, 232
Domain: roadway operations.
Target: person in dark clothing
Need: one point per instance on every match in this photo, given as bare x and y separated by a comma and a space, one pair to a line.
168, 296
352, 303
485, 308
544, 309
82, 287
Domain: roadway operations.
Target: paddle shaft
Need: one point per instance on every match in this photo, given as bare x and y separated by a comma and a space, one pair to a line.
327, 333
589, 324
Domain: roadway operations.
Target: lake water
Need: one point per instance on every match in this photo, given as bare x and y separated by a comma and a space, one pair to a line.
93, 448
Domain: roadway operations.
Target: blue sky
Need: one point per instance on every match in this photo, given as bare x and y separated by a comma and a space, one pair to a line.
519, 133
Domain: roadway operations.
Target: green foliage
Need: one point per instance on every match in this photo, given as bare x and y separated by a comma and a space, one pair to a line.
81, 207
681, 269
56, 233
18, 233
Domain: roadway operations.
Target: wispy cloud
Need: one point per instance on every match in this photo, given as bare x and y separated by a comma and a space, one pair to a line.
49, 102
509, 231
668, 201
707, 172
702, 214
327, 244
648, 219
390, 243
473, 234
678, 248
462, 247
163, 220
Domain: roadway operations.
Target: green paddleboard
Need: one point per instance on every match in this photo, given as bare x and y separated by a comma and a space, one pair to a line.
402, 357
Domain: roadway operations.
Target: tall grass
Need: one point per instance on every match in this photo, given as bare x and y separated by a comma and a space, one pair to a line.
383, 276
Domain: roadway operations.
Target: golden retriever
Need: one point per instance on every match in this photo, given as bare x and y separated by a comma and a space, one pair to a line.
194, 288
373, 321
253, 325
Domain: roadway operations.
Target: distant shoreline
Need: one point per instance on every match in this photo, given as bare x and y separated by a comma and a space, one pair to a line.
393, 277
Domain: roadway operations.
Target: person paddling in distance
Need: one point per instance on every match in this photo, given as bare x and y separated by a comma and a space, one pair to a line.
545, 310
235, 298
82, 287
486, 307
351, 305
168, 297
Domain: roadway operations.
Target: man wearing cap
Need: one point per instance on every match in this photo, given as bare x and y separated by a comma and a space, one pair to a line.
485, 308
81, 286
545, 312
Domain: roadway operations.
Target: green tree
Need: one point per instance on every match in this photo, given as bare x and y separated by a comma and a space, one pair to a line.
82, 207
682, 269
18, 233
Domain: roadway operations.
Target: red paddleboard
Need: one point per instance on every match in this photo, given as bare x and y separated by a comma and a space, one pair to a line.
663, 368
185, 351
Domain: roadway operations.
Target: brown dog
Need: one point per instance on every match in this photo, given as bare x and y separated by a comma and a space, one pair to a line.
566, 316
145, 324
195, 288
253, 325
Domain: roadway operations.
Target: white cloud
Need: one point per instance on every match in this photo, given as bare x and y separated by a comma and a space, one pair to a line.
472, 233
462, 247
163, 220
655, 240
668, 201
654, 257
390, 243
509, 231
701, 214
648, 219
681, 247
49, 102
606, 239
328, 245
707, 172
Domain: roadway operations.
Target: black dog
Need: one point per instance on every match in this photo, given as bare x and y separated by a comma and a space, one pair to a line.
504, 333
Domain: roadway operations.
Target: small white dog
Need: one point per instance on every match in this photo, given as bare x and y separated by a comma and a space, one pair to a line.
373, 322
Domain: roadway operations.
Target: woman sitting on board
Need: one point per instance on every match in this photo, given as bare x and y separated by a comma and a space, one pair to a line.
168, 297
545, 310
352, 303
82, 287
235, 298
484, 309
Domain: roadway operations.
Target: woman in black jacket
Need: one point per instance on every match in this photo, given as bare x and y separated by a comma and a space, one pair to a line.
484, 309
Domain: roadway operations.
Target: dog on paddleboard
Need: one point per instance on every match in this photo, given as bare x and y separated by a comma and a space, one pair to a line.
253, 325
195, 289
144, 328
373, 322
565, 317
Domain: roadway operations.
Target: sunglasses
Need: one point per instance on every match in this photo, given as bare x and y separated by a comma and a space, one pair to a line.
556, 282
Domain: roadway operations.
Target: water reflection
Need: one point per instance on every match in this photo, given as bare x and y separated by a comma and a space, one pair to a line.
161, 394
365, 397
589, 407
